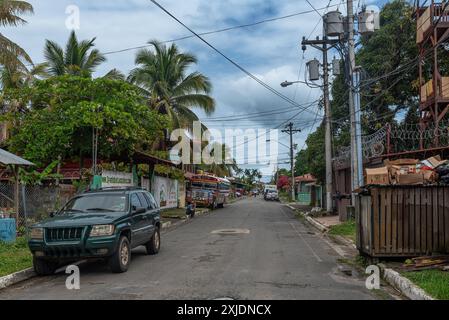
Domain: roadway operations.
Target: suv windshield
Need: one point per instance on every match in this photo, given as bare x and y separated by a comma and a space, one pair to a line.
98, 203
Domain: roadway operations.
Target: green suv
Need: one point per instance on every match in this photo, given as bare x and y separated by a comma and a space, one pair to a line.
105, 224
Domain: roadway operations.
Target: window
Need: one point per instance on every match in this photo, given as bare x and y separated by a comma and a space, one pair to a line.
135, 202
144, 201
114, 202
151, 200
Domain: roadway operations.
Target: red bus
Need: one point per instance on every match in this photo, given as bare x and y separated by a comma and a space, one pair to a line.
208, 191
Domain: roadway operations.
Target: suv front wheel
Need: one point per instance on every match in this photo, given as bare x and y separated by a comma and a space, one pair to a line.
153, 246
44, 267
120, 260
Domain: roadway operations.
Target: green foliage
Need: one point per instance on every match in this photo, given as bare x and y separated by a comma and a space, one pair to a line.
65, 109
171, 172
434, 282
345, 229
251, 176
35, 177
11, 54
311, 160
162, 76
14, 257
79, 58
389, 48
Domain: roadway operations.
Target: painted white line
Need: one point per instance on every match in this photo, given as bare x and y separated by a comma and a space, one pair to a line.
308, 246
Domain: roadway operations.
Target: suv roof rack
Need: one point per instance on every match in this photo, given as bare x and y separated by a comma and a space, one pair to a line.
116, 189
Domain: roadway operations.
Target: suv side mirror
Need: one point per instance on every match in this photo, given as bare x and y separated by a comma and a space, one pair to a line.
139, 210
52, 214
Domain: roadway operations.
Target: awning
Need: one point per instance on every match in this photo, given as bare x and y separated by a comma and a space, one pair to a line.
7, 158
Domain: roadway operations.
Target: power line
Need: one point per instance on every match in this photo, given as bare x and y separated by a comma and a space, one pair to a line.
314, 9
266, 86
234, 117
247, 25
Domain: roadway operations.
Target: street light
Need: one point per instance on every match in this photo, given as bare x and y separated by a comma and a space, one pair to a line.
289, 83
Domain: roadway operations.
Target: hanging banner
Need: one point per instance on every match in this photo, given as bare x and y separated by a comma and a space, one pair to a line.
165, 192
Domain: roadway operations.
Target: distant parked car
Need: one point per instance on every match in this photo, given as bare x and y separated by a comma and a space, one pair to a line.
105, 224
271, 195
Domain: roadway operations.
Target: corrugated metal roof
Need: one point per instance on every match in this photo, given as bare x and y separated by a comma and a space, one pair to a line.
7, 158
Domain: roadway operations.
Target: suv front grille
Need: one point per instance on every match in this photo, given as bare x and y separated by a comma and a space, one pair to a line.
63, 234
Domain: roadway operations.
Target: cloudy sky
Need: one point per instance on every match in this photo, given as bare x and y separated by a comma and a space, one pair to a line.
270, 50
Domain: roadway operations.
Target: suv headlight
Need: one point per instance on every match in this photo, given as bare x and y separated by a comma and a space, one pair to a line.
37, 233
102, 230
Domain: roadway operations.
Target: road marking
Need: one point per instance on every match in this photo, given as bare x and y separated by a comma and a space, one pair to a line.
307, 244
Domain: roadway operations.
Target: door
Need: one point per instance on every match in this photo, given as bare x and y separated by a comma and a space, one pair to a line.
155, 210
138, 222
148, 217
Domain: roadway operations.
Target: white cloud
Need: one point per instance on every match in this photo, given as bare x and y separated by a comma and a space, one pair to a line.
271, 50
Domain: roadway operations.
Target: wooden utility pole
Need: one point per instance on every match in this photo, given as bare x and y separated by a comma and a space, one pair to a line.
289, 129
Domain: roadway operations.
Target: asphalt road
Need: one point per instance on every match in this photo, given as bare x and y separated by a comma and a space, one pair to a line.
272, 256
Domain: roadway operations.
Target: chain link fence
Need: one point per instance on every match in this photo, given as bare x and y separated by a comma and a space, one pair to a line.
29, 204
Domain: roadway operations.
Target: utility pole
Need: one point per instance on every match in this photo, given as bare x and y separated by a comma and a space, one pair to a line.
322, 45
289, 129
356, 155
328, 134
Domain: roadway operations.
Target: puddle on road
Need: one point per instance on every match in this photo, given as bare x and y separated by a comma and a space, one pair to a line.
231, 231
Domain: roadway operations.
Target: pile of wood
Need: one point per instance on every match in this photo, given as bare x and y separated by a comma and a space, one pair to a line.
426, 263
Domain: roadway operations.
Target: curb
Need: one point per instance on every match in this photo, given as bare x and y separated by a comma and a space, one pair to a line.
317, 225
16, 277
322, 228
169, 225
404, 285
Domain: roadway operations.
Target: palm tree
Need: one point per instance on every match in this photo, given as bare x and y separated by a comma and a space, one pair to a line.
161, 75
15, 76
225, 168
10, 11
78, 58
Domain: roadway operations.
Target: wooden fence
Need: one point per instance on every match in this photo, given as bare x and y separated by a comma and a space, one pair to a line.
403, 221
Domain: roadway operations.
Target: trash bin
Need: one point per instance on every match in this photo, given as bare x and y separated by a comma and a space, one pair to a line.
8, 230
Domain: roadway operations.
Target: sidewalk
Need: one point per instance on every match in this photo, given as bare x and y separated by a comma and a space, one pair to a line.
328, 221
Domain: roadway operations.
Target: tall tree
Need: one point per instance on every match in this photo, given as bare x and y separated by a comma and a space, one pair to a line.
10, 11
78, 58
161, 73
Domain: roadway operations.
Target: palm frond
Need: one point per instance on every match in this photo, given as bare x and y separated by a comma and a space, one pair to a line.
201, 101
10, 11
115, 74
54, 56
11, 52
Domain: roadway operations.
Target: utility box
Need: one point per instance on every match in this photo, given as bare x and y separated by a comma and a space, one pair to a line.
8, 230
314, 70
333, 24
369, 21
336, 67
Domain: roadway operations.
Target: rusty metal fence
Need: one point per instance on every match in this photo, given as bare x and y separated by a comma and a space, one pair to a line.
34, 202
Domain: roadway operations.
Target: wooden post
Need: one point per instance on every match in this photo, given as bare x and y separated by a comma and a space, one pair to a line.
16, 194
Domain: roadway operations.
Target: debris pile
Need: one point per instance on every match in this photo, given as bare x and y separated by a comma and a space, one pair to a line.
426, 263
410, 172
